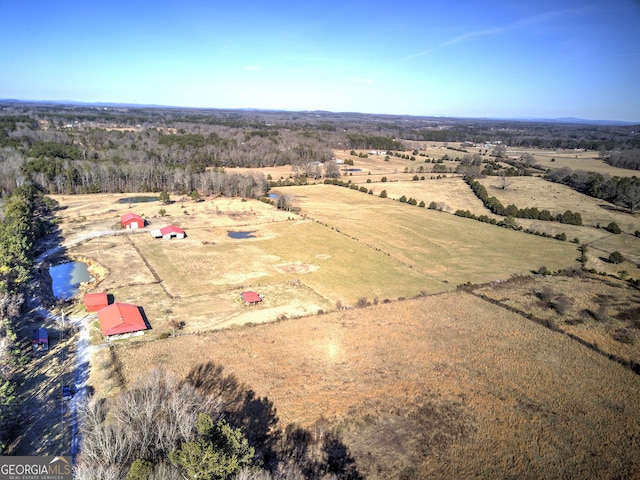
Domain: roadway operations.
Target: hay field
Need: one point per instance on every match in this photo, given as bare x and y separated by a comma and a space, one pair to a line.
450, 191
536, 192
447, 386
438, 245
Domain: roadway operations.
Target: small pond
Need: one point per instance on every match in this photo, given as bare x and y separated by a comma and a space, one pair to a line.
67, 277
138, 200
238, 235
353, 169
273, 195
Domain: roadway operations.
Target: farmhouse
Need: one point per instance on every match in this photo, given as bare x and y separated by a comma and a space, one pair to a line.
251, 298
95, 301
132, 221
168, 232
40, 339
119, 318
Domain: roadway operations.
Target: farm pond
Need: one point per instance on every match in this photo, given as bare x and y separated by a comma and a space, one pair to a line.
239, 235
67, 277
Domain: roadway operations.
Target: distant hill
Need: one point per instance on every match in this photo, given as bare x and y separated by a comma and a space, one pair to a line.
561, 120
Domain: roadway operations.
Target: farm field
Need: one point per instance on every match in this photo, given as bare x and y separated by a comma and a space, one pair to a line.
604, 313
446, 386
436, 244
300, 266
423, 382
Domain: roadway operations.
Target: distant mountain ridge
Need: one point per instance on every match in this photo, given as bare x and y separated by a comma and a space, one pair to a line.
568, 120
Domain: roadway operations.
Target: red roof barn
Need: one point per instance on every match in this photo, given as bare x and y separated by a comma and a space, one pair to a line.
131, 220
95, 301
251, 297
119, 318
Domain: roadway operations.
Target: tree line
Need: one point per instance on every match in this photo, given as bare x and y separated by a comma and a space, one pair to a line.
22, 223
496, 207
621, 191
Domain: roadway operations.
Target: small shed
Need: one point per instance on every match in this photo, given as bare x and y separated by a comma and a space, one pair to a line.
95, 301
168, 232
40, 339
132, 221
119, 318
251, 298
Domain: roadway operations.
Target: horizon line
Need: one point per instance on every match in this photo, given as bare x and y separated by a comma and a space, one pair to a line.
562, 119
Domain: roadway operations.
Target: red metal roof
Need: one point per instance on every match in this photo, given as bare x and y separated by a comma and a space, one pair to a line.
251, 297
120, 318
95, 301
131, 217
171, 229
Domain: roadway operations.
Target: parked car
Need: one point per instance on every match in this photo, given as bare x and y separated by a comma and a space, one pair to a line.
67, 392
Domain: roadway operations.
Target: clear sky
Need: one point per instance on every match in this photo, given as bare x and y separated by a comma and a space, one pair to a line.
500, 58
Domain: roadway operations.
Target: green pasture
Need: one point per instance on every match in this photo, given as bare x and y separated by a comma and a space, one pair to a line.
436, 245
335, 266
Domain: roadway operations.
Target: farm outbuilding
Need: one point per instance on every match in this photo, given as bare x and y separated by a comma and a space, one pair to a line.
168, 232
132, 221
250, 298
95, 301
119, 318
40, 339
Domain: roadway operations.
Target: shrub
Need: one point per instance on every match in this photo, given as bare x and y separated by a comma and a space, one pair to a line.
362, 302
562, 304
383, 194
383, 179
616, 257
403, 199
613, 228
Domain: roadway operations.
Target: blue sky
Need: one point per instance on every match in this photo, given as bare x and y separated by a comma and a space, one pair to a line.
497, 58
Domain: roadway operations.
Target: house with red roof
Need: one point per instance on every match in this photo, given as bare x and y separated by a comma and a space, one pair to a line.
95, 301
120, 318
251, 298
168, 232
132, 221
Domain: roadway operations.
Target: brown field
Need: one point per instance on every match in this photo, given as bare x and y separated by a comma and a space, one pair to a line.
603, 312
447, 386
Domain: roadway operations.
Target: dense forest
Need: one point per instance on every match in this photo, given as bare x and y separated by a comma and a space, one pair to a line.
87, 149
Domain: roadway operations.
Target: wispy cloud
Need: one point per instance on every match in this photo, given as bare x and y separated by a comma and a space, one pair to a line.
510, 27
250, 68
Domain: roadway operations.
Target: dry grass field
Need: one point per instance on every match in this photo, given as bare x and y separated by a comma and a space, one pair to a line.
438, 245
446, 386
603, 312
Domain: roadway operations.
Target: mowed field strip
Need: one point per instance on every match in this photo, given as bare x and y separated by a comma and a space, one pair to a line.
447, 386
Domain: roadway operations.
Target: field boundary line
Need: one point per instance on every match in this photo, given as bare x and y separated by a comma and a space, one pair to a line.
630, 364
151, 269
